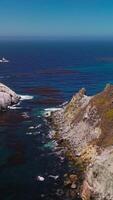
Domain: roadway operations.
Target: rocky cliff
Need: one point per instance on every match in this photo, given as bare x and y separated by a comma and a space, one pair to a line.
85, 127
7, 97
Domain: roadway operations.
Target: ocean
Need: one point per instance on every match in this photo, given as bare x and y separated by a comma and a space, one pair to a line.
46, 73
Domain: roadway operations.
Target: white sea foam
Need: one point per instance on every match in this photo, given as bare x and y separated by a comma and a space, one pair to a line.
48, 111
52, 109
35, 127
31, 127
29, 133
40, 178
14, 107
26, 97
38, 126
22, 98
64, 104
54, 177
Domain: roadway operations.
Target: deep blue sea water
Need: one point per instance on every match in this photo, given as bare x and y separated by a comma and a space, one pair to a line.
51, 72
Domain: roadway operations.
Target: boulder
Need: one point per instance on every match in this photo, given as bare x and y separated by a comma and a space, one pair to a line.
7, 97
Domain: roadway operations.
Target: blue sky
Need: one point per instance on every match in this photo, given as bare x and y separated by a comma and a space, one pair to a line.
60, 18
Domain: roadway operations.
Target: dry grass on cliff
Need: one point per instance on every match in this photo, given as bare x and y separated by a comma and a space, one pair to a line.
104, 105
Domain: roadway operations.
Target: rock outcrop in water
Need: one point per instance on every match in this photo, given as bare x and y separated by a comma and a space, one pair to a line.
7, 97
85, 127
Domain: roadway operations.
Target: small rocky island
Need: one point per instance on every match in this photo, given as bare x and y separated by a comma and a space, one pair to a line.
7, 97
84, 127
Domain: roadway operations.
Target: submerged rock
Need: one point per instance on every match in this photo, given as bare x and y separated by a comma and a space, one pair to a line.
7, 97
85, 125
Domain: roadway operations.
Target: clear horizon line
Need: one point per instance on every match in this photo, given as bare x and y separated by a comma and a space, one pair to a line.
50, 37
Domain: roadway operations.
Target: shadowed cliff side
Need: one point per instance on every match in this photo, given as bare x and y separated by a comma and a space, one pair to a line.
85, 126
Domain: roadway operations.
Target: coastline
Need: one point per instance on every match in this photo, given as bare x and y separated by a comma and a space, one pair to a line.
81, 128
55, 119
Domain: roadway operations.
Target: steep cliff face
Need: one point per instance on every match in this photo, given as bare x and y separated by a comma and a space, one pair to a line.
7, 97
86, 124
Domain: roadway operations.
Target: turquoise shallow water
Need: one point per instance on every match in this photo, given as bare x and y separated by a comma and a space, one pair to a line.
51, 72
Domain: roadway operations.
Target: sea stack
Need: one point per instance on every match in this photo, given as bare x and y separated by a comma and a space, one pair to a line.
7, 97
85, 128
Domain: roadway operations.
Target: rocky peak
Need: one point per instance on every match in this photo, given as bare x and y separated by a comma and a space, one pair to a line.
86, 123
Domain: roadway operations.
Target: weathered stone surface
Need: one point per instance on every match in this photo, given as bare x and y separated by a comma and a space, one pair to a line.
7, 97
100, 175
85, 125
86, 191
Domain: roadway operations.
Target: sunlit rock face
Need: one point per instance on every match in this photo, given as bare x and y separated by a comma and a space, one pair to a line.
7, 97
86, 124
99, 176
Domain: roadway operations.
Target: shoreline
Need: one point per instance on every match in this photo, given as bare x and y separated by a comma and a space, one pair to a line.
55, 120
83, 127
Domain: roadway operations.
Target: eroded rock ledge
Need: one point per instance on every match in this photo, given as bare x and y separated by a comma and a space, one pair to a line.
85, 126
7, 97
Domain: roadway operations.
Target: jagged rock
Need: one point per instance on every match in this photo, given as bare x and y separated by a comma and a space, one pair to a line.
71, 181
86, 192
73, 178
7, 97
85, 125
